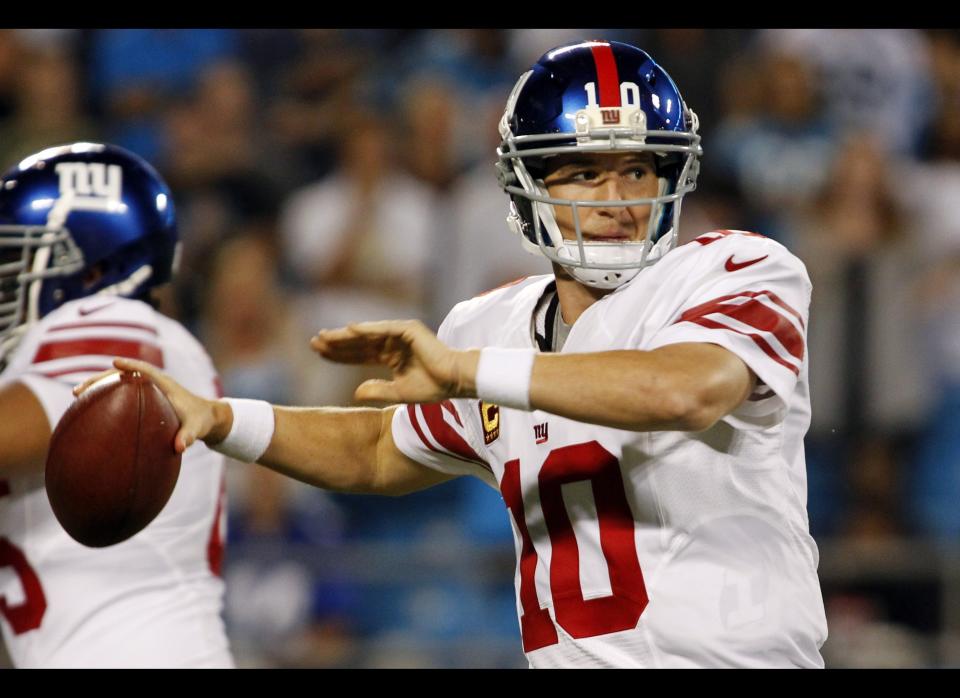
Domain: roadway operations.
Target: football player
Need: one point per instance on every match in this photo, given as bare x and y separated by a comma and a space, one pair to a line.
86, 232
641, 410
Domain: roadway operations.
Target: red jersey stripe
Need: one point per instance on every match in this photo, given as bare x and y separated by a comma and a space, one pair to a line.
608, 78
758, 340
448, 406
104, 347
412, 414
446, 436
705, 239
756, 315
782, 303
99, 325
709, 306
215, 544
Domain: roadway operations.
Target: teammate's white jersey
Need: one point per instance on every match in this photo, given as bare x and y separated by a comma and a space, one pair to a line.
653, 549
153, 600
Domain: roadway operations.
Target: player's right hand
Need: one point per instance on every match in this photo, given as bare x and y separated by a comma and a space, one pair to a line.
200, 418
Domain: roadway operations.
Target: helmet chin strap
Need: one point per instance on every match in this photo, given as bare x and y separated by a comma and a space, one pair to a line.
600, 254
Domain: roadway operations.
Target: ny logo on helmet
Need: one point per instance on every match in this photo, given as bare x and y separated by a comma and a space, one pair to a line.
90, 179
610, 116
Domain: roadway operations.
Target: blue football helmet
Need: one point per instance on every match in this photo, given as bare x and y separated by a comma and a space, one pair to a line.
596, 96
69, 210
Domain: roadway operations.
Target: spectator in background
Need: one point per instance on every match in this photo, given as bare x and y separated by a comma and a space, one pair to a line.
358, 242
135, 73
279, 614
473, 67
429, 110
219, 166
931, 193
867, 386
11, 60
245, 319
773, 145
47, 107
684, 53
477, 254
876, 80
310, 94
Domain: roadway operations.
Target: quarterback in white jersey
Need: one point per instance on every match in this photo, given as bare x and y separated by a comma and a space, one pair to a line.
660, 548
641, 411
155, 599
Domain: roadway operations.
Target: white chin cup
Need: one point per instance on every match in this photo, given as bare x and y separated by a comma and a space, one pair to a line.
600, 256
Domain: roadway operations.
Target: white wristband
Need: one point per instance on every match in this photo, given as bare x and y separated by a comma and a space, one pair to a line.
503, 376
251, 432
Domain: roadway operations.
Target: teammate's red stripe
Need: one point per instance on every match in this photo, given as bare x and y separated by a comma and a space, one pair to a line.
699, 309
215, 545
97, 325
758, 316
758, 340
445, 434
78, 369
608, 79
448, 406
107, 347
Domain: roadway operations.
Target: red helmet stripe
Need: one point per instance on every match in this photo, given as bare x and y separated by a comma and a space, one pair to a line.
608, 79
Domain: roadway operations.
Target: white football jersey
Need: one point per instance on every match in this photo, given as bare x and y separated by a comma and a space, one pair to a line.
153, 600
665, 548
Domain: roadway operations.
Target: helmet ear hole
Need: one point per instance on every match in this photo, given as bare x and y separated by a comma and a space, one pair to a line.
92, 276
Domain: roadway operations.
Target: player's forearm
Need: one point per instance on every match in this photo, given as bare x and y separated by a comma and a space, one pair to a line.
328, 447
24, 432
687, 388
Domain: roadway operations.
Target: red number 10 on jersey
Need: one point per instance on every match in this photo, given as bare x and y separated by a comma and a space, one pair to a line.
579, 617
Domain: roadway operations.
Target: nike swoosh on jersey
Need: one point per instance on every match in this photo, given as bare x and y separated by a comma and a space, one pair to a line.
734, 266
88, 310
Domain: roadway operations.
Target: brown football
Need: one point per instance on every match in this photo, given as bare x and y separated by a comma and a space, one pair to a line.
111, 466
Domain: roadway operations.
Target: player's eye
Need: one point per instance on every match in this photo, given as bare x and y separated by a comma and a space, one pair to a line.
639, 172
584, 175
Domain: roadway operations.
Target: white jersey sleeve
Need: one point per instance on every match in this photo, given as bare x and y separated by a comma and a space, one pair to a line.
751, 296
71, 345
439, 435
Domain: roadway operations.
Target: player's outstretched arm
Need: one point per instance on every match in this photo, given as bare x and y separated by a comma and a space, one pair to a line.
340, 449
686, 387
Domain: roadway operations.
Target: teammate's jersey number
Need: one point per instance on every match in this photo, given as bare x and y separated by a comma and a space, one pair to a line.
577, 616
29, 614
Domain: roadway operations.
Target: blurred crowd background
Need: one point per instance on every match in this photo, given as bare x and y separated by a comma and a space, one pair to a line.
328, 176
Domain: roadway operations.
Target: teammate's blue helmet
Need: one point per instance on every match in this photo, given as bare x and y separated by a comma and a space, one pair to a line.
68, 210
596, 96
